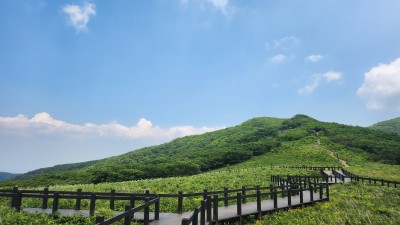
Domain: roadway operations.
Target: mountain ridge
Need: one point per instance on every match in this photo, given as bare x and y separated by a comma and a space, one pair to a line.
200, 153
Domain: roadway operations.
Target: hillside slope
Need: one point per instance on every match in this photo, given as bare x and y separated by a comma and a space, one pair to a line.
392, 125
249, 140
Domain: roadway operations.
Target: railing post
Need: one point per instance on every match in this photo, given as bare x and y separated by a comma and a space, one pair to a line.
99, 219
132, 201
215, 207
244, 194
112, 206
45, 197
205, 194
146, 212
157, 209
78, 199
327, 191
289, 196
14, 197
209, 208
203, 212
18, 201
258, 199
271, 189
239, 203
127, 219
320, 192
275, 199
195, 217
301, 194
180, 202
311, 193
226, 196
55, 203
92, 204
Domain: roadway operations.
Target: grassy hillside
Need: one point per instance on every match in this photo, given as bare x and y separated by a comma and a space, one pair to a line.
296, 140
261, 140
392, 125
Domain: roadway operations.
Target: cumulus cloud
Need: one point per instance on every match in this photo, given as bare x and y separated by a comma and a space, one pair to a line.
314, 58
277, 58
316, 81
381, 87
78, 16
44, 124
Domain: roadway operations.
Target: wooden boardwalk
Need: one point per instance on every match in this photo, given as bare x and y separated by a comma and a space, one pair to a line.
294, 191
224, 212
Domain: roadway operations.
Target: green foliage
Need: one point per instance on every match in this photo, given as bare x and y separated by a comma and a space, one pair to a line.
9, 216
392, 125
257, 141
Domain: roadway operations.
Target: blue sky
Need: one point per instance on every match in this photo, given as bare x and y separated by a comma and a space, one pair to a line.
85, 80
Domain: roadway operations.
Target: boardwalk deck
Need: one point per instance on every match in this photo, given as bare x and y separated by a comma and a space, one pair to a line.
224, 212
230, 212
330, 173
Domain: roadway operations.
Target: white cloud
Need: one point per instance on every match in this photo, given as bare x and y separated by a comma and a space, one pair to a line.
316, 81
79, 16
310, 87
314, 58
223, 6
277, 58
381, 87
44, 124
285, 43
332, 76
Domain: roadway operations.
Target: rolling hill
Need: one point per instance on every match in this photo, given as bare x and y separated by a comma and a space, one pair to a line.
392, 125
255, 138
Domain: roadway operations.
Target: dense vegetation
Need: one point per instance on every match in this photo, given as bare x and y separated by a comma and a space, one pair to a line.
392, 125
294, 143
252, 139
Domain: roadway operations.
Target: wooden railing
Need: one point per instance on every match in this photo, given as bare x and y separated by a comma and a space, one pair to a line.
18, 195
312, 167
273, 193
205, 213
370, 180
127, 216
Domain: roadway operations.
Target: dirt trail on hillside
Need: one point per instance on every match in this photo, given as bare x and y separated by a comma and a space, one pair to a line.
343, 162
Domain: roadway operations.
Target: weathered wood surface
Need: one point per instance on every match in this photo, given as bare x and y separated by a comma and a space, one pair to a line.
250, 208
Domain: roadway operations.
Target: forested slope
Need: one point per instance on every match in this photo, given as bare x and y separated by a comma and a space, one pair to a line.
230, 146
392, 125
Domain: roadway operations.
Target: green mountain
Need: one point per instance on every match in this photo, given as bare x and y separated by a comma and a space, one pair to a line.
392, 125
245, 142
6, 176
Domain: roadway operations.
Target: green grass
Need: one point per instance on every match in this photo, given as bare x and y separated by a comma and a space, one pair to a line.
295, 153
352, 203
